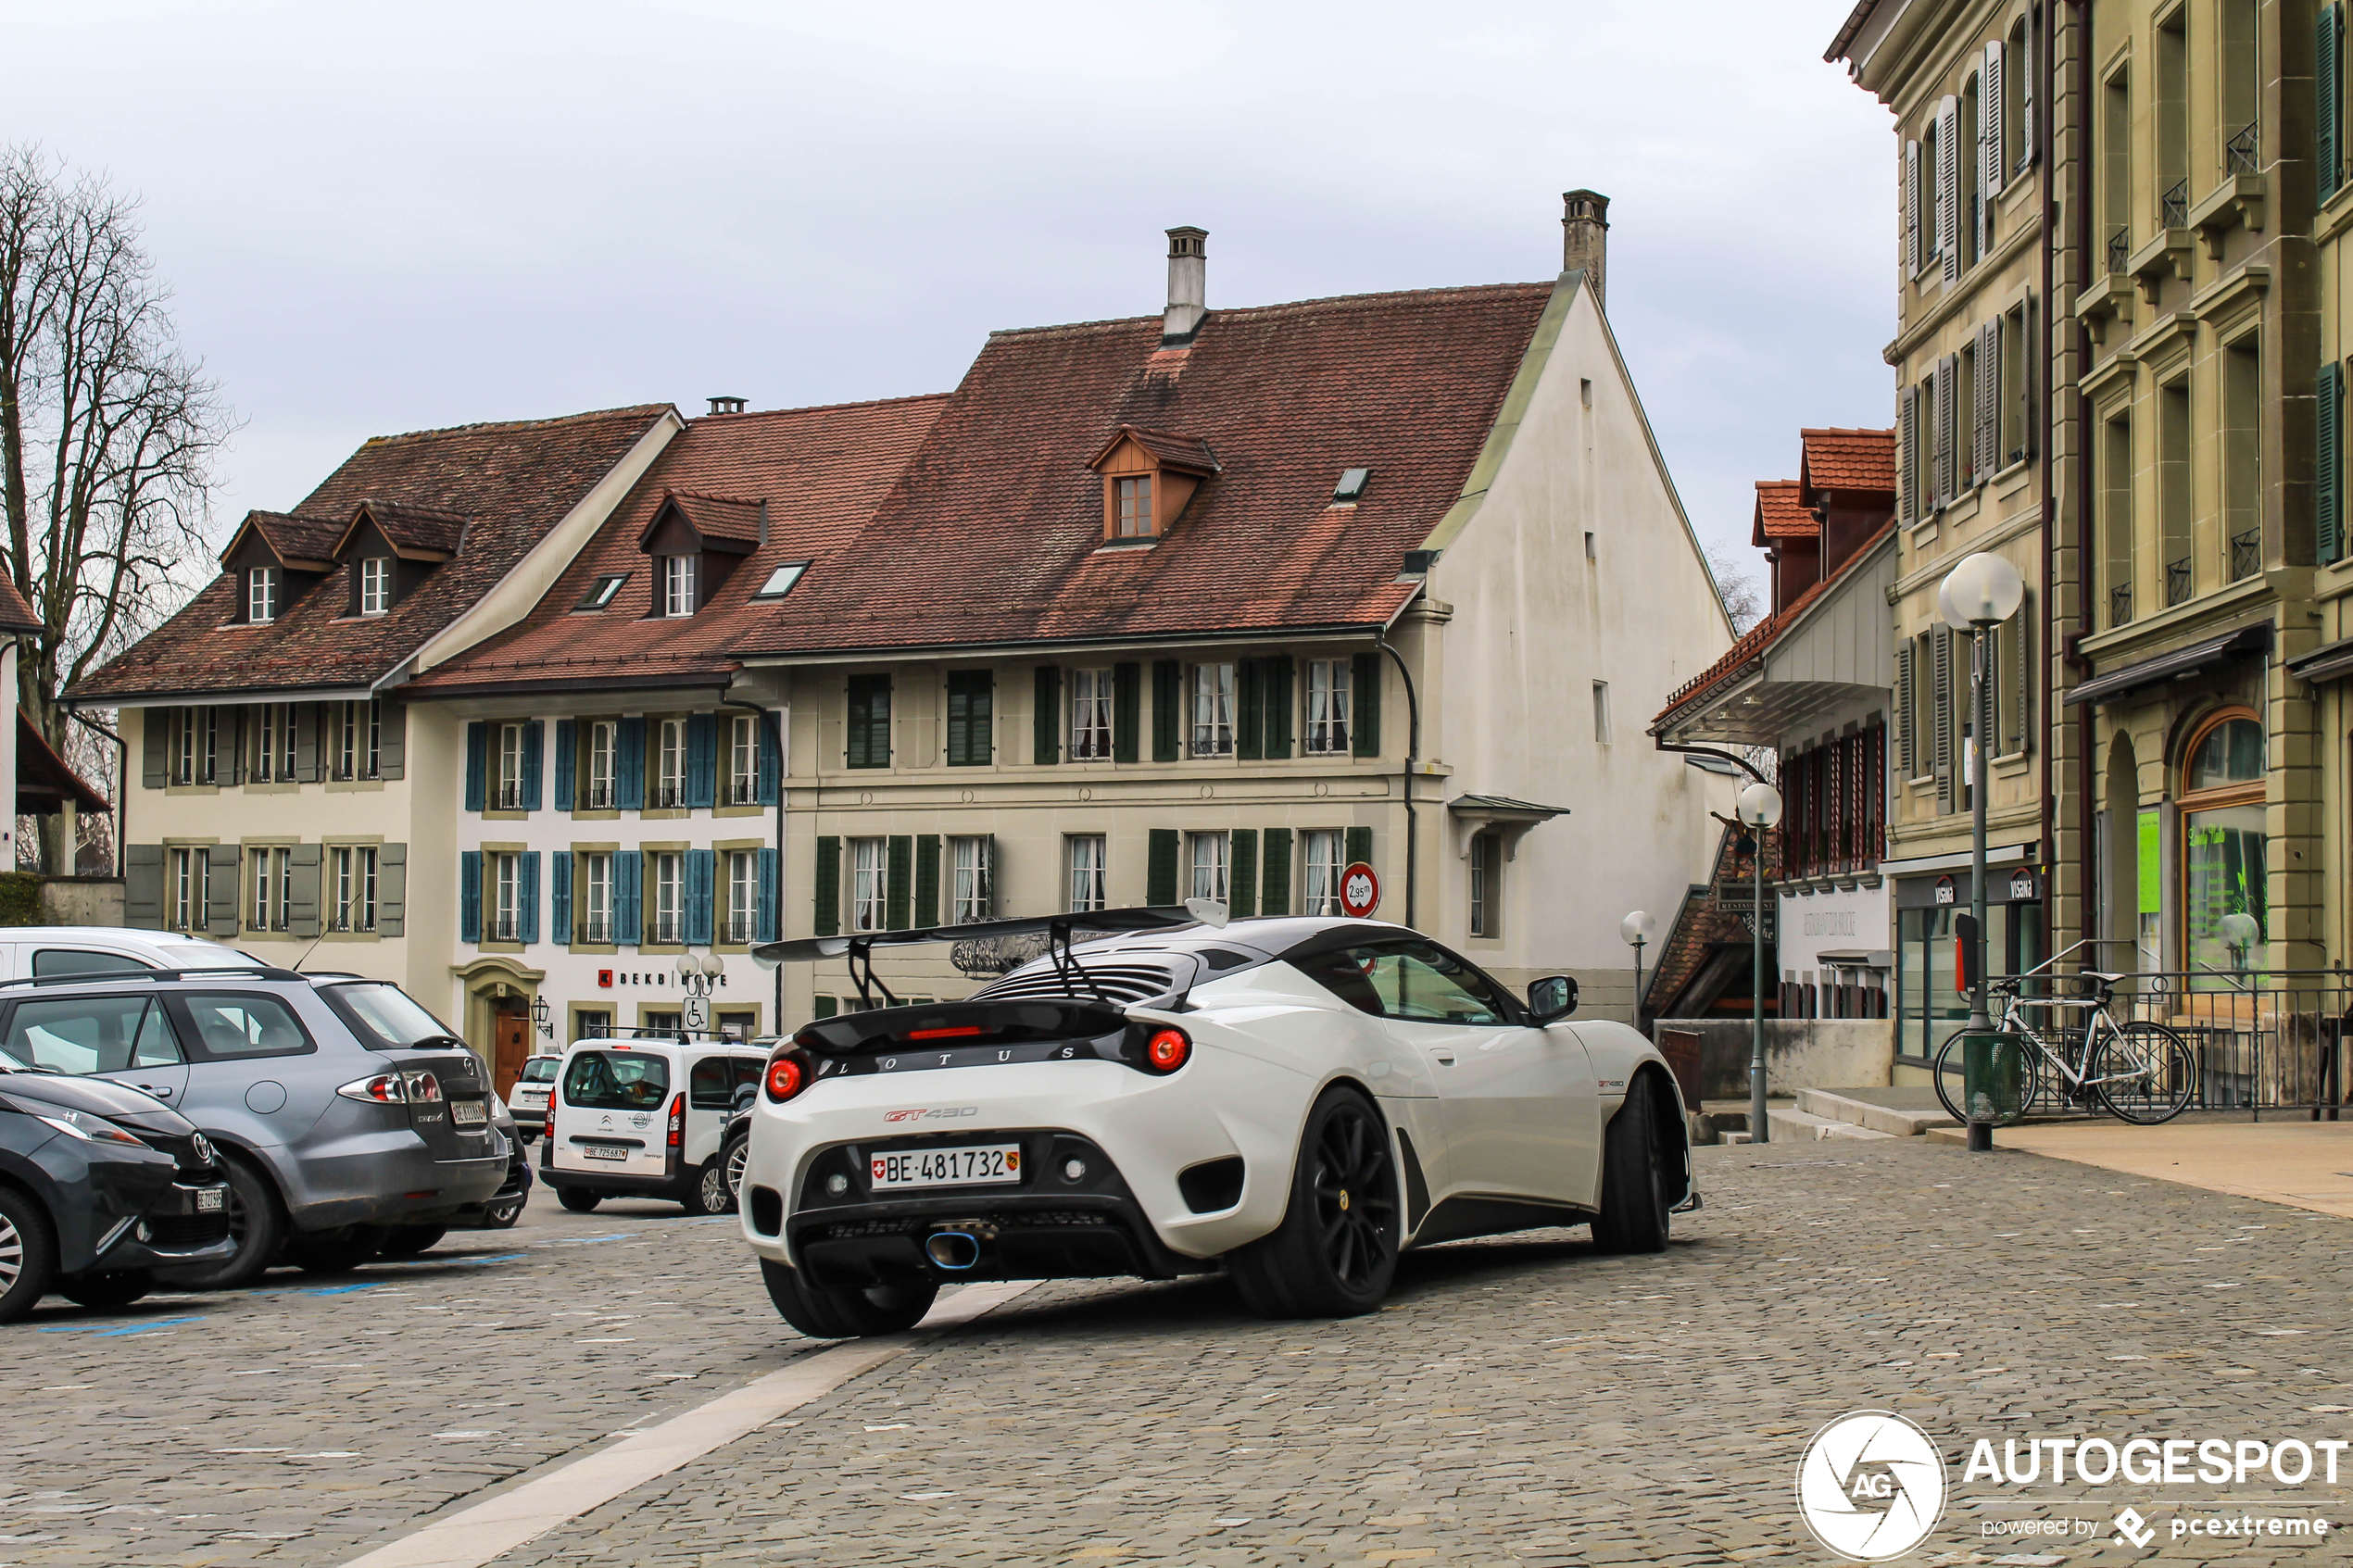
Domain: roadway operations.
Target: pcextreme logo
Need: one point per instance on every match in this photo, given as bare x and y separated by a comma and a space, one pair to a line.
1870, 1486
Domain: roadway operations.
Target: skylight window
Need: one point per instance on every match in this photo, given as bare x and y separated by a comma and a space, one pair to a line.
1351, 484
602, 591
780, 582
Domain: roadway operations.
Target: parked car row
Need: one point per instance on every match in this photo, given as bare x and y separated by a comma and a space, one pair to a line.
313, 1118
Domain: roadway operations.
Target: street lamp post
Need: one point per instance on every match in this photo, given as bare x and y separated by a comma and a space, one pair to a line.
1981, 592
1638, 928
1759, 808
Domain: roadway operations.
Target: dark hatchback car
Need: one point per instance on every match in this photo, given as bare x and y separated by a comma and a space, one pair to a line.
99, 1185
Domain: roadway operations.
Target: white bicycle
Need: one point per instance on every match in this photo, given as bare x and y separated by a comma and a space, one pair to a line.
2138, 1070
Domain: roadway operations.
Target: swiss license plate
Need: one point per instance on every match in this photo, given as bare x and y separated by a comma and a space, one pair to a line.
602, 1151
989, 1165
212, 1200
468, 1114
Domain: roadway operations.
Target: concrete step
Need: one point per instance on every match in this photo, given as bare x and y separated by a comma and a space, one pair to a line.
1833, 1106
1799, 1126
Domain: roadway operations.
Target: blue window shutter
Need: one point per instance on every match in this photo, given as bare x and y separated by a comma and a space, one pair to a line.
764, 897
527, 897
703, 761
629, 765
771, 766
560, 894
470, 893
2328, 463
477, 756
533, 734
628, 921
2328, 112
700, 865
566, 748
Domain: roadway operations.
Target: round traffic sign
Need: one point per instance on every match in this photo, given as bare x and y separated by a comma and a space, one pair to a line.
1359, 891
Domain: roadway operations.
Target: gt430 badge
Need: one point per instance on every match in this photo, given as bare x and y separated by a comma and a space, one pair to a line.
945, 1114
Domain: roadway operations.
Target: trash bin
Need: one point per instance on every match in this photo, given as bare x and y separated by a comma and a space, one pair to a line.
1993, 1077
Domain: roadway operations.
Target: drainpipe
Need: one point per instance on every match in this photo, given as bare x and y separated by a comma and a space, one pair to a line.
1413, 750
121, 789
768, 725
2088, 772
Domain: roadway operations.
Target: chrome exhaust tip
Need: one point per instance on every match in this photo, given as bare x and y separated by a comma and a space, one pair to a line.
952, 1250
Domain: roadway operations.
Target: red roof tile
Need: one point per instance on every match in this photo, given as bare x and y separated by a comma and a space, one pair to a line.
1861, 461
718, 516
514, 480
821, 469
1781, 513
994, 534
412, 527
16, 614
1182, 453
289, 538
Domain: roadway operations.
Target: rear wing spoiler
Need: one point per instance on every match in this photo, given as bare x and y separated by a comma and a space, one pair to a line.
859, 948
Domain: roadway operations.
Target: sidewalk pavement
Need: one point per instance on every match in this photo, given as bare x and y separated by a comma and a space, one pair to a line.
2306, 1164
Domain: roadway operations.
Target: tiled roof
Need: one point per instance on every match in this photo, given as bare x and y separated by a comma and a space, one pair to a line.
1180, 452
1781, 513
720, 517
1855, 460
1706, 922
514, 480
412, 527
289, 537
15, 614
822, 470
994, 535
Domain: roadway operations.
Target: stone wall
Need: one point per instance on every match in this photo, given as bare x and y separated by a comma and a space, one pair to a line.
1813, 1053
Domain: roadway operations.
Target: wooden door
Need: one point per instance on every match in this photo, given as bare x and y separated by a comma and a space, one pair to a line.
510, 1046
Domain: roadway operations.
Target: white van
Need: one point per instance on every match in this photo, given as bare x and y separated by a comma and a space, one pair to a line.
643, 1117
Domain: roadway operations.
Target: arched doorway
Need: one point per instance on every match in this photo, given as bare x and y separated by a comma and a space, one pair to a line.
499, 993
2225, 842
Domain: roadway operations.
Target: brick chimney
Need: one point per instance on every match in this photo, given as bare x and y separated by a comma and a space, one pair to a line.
1585, 238
1187, 285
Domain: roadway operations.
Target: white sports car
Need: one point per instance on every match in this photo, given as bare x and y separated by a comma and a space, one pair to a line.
1291, 1100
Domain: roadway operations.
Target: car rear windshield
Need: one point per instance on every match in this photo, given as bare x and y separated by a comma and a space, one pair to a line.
386, 1016
539, 1070
616, 1081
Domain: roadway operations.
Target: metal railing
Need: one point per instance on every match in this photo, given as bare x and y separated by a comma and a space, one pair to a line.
596, 797
2120, 605
2262, 1039
2247, 554
2177, 580
2174, 204
2120, 248
2241, 152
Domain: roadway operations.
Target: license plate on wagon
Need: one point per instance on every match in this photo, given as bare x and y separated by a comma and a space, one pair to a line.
468, 1114
993, 1164
602, 1151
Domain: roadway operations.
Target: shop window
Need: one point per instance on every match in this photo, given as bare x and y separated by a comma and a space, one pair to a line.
2224, 917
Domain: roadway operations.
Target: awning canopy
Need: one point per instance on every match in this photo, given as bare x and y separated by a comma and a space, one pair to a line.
2324, 663
2181, 663
44, 780
1509, 819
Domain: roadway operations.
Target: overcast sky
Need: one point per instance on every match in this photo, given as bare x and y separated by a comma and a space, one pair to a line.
384, 217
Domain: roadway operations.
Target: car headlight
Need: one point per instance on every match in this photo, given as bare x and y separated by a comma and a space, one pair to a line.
87, 1127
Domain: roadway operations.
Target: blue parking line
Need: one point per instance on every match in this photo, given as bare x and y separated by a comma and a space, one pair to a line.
586, 1240
337, 1290
116, 1333
446, 1263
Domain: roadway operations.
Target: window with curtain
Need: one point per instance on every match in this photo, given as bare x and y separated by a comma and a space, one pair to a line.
1086, 872
1327, 706
1321, 855
971, 868
1213, 709
869, 884
1090, 693
1209, 853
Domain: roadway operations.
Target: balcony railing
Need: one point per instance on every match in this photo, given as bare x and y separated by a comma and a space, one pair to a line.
742, 790
2242, 153
2120, 248
667, 929
2174, 204
2247, 554
507, 797
499, 928
597, 929
596, 797
2120, 605
738, 929
2177, 581
667, 796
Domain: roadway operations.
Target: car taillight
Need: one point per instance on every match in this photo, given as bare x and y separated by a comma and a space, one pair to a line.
678, 1122
953, 1031
385, 1088
788, 1074
1168, 1049
423, 1089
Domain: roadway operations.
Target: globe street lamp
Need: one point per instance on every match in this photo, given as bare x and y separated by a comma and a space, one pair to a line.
1638, 928
1981, 592
1759, 808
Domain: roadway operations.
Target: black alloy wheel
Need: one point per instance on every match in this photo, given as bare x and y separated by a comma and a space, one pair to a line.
1635, 1206
106, 1292
1335, 1253
824, 1312
256, 1224
28, 1253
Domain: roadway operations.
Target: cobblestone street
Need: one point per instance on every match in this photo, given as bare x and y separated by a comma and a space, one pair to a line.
1519, 1400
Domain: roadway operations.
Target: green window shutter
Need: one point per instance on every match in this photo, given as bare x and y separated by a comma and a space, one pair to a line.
1160, 867
989, 883
155, 732
829, 907
220, 890
1363, 705
869, 736
1250, 709
562, 796
143, 874
971, 695
1126, 716
926, 879
2328, 463
477, 760
1276, 898
392, 739
2327, 85
1275, 676
899, 884
1168, 709
1045, 719
308, 718
392, 891
1360, 846
822, 1007
1243, 874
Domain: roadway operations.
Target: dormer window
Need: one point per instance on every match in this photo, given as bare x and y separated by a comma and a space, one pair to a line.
678, 578
265, 591
1149, 476
375, 585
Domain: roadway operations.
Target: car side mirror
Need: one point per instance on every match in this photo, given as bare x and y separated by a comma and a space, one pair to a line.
1554, 997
